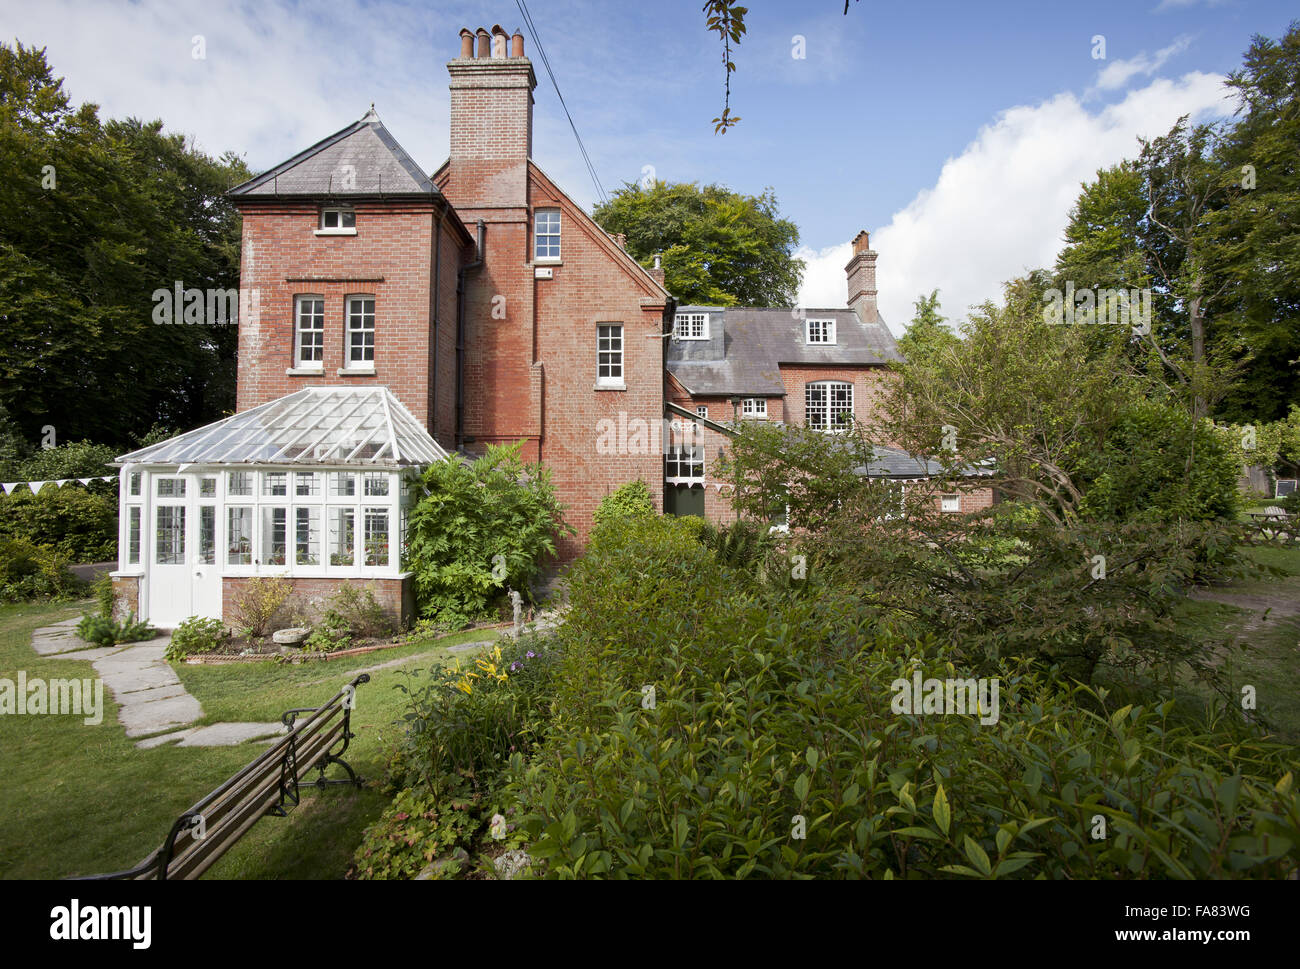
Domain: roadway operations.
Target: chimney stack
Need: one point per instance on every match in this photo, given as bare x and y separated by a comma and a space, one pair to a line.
861, 272
491, 121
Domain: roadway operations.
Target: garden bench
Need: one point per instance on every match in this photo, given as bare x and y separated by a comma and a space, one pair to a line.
268, 785
1273, 525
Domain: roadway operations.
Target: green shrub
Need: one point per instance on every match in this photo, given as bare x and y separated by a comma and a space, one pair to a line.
79, 525
358, 612
258, 602
195, 635
1157, 465
105, 631
630, 500
102, 590
30, 571
721, 777
465, 721
477, 529
417, 828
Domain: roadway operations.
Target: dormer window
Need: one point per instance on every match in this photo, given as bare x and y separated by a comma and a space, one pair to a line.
338, 221
821, 332
691, 326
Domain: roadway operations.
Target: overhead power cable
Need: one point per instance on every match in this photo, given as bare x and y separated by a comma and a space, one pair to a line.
541, 52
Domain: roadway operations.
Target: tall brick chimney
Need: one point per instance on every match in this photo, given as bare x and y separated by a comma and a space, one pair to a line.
861, 271
491, 119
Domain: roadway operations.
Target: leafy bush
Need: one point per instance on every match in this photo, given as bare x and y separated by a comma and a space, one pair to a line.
417, 828
76, 459
479, 528
1158, 464
102, 590
630, 500
723, 775
257, 603
78, 524
466, 720
358, 612
697, 728
195, 635
30, 571
105, 631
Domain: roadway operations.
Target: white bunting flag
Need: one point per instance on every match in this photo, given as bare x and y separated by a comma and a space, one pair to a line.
61, 482
36, 486
9, 487
84, 481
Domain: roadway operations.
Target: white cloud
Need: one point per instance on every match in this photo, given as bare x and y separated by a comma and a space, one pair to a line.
1002, 206
1118, 73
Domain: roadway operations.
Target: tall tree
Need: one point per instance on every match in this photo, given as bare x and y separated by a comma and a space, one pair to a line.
98, 216
926, 334
720, 248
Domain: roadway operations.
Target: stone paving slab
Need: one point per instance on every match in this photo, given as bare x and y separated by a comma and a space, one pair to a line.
229, 734
151, 698
151, 716
167, 738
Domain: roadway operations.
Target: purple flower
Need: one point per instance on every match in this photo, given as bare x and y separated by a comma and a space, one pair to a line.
529, 655
514, 665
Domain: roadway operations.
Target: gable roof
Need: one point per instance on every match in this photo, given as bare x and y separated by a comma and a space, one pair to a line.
361, 160
746, 347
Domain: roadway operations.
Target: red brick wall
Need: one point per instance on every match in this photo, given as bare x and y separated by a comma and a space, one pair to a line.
867, 386
390, 257
530, 375
397, 596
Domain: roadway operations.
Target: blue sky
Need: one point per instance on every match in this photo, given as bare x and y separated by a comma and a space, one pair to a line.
956, 132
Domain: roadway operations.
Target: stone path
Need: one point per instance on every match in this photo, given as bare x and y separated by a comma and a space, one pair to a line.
152, 701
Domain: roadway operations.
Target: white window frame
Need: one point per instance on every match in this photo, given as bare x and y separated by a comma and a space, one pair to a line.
689, 456
950, 503
610, 358
349, 364
825, 330
319, 332
342, 214
538, 235
702, 411
691, 326
755, 408
828, 388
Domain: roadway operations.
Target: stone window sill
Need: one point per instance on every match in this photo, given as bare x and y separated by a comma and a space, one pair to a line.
610, 387
335, 232
305, 372
356, 372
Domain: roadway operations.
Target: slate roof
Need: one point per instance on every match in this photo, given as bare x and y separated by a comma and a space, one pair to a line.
746, 347
362, 160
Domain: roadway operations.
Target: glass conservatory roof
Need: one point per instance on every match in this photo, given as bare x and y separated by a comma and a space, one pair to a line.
330, 426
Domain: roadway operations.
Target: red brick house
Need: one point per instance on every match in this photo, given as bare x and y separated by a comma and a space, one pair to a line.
399, 317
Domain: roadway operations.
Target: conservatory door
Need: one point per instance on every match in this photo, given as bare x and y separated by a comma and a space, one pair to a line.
170, 571
207, 570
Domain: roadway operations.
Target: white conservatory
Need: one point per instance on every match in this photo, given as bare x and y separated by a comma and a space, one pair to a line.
312, 487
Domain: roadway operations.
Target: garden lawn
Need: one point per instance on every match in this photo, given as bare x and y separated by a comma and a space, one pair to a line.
1270, 661
82, 799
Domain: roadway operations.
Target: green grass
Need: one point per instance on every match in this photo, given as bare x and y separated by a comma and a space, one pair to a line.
1269, 660
81, 799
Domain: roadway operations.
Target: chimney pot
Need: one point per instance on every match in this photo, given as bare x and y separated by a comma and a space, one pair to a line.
484, 39
861, 242
499, 41
517, 45
466, 43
